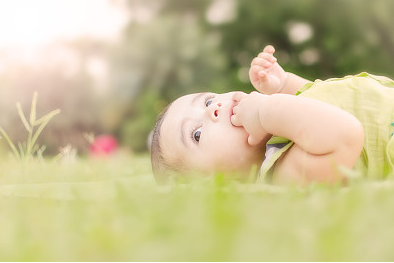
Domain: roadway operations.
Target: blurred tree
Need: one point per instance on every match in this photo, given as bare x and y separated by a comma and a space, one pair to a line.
347, 36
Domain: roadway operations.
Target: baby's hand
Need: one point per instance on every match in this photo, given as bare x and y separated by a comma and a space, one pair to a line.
265, 74
246, 114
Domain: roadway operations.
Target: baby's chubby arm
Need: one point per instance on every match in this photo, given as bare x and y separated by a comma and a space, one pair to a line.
268, 77
323, 134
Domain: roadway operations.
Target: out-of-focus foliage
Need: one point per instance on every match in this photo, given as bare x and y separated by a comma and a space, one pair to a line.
316, 39
174, 47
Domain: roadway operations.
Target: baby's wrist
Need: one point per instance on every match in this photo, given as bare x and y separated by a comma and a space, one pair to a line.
285, 82
263, 108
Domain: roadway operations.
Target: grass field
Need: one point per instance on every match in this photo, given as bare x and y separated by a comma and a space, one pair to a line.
112, 210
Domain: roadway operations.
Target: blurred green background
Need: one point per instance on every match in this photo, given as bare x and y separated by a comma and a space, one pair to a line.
158, 50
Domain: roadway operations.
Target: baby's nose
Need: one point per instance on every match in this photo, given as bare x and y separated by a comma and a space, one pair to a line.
213, 110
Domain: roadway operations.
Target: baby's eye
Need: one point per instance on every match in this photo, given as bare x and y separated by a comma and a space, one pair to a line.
196, 135
208, 102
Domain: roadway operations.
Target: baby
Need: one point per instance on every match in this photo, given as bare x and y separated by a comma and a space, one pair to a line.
294, 130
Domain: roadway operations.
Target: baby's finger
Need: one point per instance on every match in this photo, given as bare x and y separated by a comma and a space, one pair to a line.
261, 62
238, 96
235, 121
254, 74
262, 76
264, 81
267, 56
253, 141
269, 49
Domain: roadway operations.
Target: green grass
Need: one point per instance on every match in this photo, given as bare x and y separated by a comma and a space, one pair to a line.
112, 210
29, 149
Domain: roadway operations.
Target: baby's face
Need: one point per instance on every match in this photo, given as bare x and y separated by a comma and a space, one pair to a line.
197, 132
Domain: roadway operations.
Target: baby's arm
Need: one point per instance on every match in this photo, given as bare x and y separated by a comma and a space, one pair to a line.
268, 77
324, 136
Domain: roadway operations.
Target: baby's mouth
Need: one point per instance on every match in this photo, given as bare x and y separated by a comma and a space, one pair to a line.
231, 112
235, 103
232, 109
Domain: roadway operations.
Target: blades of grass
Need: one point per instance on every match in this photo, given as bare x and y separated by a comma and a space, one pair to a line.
34, 149
56, 158
45, 121
10, 143
40, 152
24, 146
33, 109
42, 119
29, 145
21, 150
42, 149
89, 137
23, 118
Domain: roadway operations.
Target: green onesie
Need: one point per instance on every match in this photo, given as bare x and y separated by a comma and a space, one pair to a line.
368, 97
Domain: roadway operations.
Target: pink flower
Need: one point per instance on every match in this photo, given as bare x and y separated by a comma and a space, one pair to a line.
104, 145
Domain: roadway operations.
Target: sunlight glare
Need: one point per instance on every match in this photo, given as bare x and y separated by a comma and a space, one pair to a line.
31, 24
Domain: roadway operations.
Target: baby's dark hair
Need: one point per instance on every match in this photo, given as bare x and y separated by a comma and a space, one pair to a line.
162, 169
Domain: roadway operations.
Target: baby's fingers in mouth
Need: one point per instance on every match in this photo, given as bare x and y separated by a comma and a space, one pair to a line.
235, 120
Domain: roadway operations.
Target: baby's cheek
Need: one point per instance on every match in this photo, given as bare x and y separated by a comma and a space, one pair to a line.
235, 144
241, 135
